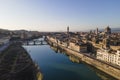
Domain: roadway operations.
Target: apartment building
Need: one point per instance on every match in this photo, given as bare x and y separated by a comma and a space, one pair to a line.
109, 56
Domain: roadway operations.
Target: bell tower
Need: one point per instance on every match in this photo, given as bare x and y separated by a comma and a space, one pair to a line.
68, 36
68, 30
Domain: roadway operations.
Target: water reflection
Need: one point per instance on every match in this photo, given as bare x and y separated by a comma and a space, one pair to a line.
75, 59
38, 74
56, 66
60, 50
57, 49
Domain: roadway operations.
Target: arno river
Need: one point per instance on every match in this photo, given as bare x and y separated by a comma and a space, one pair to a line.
56, 65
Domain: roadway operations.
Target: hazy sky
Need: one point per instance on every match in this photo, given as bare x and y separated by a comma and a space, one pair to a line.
56, 15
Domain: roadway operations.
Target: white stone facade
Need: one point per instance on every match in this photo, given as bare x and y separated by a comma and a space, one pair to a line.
109, 57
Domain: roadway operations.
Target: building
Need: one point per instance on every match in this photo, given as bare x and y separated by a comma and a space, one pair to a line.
106, 43
109, 56
79, 47
68, 36
68, 29
107, 30
97, 31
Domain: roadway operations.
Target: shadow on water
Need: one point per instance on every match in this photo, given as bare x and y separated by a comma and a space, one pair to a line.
16, 64
75, 59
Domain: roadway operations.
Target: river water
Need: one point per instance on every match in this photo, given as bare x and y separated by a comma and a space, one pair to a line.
56, 65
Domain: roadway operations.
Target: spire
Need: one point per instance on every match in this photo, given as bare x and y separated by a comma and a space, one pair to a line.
68, 29
68, 36
97, 31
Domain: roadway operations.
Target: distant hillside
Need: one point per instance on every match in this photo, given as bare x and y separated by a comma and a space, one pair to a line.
112, 29
3, 29
22, 30
115, 29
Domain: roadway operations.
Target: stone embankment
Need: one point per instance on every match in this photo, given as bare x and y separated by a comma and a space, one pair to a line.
103, 66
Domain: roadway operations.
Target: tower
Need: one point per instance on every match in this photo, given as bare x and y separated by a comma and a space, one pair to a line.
68, 30
107, 30
68, 36
97, 31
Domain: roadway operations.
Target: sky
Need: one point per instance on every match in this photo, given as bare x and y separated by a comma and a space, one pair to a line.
56, 15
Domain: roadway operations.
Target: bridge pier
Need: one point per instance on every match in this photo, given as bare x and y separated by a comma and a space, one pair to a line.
41, 42
27, 43
34, 42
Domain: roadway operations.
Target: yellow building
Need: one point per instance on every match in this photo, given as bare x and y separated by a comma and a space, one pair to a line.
77, 47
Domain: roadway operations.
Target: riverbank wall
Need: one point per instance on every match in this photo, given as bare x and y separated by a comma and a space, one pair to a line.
103, 66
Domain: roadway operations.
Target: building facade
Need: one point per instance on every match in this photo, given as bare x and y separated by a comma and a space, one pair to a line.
77, 47
109, 56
